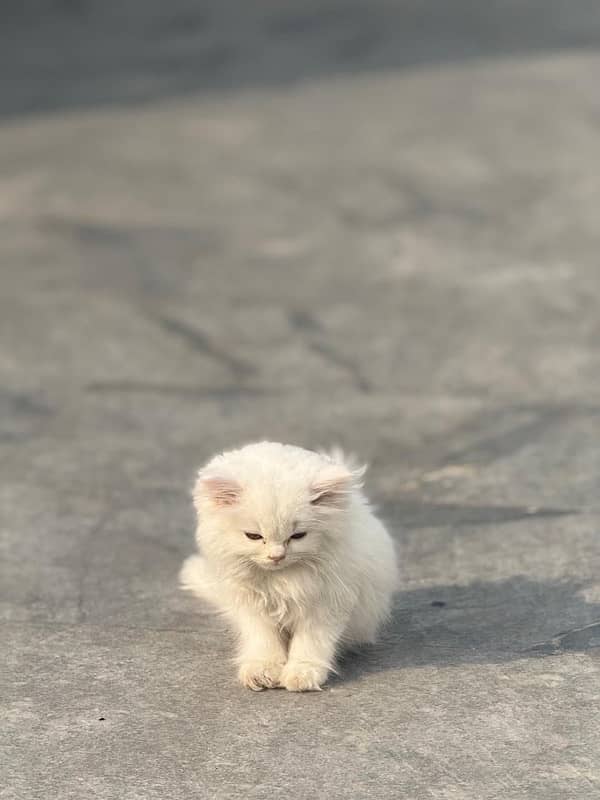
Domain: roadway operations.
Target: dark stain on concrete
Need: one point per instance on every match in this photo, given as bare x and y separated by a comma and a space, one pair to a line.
105, 234
308, 326
20, 403
90, 233
304, 321
21, 415
508, 437
150, 387
494, 433
199, 341
434, 515
338, 360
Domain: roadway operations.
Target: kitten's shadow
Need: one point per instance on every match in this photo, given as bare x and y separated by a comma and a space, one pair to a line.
479, 623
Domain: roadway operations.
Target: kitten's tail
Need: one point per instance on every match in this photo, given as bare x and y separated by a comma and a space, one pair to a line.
192, 577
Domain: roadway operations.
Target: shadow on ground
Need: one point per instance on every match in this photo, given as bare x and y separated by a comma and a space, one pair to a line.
67, 54
481, 622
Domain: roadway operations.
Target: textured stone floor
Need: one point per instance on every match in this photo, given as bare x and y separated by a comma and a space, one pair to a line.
374, 224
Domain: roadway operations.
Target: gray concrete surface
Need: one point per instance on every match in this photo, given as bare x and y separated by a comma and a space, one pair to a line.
373, 224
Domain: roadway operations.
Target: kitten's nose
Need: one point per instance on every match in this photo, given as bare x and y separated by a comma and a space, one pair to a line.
276, 554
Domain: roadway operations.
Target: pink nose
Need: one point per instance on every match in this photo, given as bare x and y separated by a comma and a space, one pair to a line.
277, 559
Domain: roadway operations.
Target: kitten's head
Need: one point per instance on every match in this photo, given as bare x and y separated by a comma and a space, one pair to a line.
273, 506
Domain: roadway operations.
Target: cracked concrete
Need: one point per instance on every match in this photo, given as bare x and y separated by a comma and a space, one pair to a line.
372, 224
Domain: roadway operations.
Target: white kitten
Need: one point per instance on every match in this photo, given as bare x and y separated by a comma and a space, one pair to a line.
293, 556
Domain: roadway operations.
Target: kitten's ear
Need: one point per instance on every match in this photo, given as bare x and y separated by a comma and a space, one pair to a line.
334, 484
221, 492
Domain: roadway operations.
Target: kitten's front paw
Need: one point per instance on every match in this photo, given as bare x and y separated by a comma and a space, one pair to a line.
302, 676
259, 675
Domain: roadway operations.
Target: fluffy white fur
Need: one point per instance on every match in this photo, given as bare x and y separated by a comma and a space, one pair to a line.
293, 601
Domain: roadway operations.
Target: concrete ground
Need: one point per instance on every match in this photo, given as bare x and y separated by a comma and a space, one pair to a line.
370, 223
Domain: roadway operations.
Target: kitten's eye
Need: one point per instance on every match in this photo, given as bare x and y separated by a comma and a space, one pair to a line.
254, 536
298, 535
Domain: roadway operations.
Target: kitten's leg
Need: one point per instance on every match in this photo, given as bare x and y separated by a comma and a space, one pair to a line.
262, 651
311, 653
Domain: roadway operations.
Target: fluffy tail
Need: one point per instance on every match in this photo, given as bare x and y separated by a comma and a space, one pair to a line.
192, 575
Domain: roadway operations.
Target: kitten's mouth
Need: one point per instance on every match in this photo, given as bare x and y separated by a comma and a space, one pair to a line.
270, 566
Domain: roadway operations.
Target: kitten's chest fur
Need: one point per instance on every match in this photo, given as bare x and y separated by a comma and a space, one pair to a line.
283, 597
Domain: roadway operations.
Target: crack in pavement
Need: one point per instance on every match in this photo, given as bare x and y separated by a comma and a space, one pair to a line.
201, 342
575, 639
150, 387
